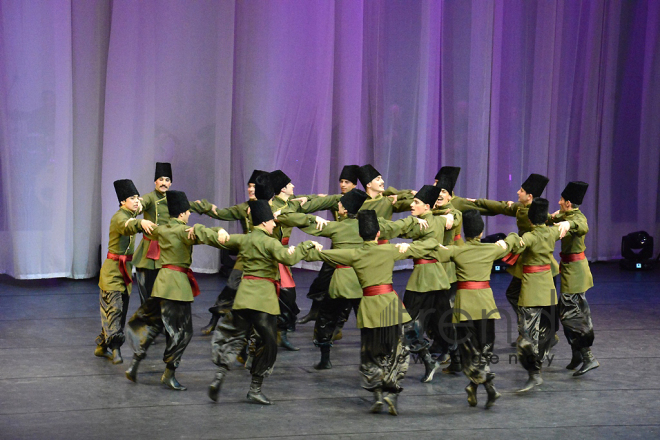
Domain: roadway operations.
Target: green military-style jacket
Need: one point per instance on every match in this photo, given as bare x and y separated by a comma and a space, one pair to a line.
123, 227
538, 289
474, 262
383, 204
463, 204
175, 249
344, 235
260, 253
233, 213
520, 212
451, 237
312, 205
431, 276
154, 209
373, 265
575, 276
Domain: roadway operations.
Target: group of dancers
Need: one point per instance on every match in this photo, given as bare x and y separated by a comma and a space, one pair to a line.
448, 307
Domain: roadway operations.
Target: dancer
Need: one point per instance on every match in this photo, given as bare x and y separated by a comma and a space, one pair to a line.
384, 359
169, 307
256, 306
115, 279
576, 279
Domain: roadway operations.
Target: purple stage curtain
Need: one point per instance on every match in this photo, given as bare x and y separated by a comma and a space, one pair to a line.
92, 91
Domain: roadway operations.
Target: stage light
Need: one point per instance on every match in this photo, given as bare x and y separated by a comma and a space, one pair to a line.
498, 265
637, 251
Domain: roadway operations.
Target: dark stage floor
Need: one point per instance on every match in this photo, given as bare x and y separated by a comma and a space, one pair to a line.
53, 387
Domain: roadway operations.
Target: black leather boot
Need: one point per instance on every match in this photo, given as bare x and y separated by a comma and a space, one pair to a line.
378, 401
534, 380
589, 364
471, 391
116, 357
255, 395
211, 325
216, 385
170, 381
493, 394
391, 399
131, 373
312, 314
102, 351
454, 366
430, 366
284, 341
576, 360
325, 359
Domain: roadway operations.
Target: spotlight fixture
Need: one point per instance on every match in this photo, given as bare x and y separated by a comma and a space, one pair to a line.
637, 251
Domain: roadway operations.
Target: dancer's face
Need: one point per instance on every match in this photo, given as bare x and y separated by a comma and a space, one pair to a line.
378, 184
163, 184
131, 203
417, 207
250, 191
346, 185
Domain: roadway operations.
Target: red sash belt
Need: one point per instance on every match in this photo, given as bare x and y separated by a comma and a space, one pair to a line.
510, 259
285, 241
383, 241
457, 237
569, 258
153, 253
341, 266
423, 261
122, 265
473, 285
191, 276
535, 269
286, 277
377, 290
275, 282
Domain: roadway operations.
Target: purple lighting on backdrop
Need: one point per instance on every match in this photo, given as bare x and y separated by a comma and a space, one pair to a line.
501, 89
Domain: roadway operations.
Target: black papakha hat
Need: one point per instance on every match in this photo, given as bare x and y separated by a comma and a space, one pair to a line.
260, 211
428, 194
350, 173
352, 201
538, 211
575, 191
368, 223
163, 169
447, 177
367, 173
263, 187
473, 224
535, 184
125, 189
177, 202
279, 180
255, 174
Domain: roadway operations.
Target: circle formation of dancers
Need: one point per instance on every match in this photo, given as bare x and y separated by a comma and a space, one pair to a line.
448, 312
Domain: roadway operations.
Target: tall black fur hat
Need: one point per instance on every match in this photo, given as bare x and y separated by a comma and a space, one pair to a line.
260, 211
538, 211
575, 191
473, 224
535, 184
177, 202
350, 173
255, 174
263, 187
352, 201
428, 194
368, 223
163, 169
125, 189
367, 173
447, 177
279, 180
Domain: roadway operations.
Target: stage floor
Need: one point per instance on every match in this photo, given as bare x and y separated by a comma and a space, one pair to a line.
53, 387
